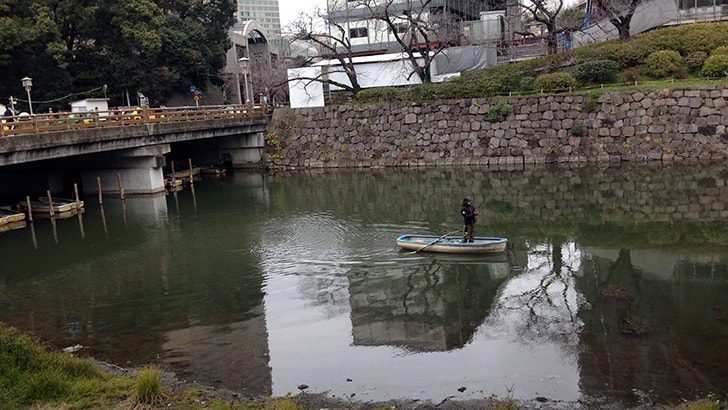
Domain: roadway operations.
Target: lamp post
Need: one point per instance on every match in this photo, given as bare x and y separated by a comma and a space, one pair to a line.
245, 69
28, 84
240, 90
237, 76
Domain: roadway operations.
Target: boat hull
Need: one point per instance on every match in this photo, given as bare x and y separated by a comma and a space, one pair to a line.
43, 209
8, 216
451, 244
185, 174
63, 204
9, 226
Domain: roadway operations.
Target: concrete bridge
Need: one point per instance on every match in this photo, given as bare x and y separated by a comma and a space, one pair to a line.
55, 151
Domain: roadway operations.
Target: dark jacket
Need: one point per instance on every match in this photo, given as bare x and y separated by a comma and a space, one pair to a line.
468, 212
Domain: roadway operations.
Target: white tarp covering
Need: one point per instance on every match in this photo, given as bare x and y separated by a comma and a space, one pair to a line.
384, 70
305, 92
455, 60
647, 16
372, 71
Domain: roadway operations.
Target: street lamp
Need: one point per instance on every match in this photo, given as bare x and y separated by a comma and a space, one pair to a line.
240, 89
28, 84
245, 69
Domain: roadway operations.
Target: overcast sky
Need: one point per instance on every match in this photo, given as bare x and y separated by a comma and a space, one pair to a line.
290, 9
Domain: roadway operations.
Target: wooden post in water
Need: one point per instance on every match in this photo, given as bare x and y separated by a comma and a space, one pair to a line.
103, 221
121, 187
80, 223
32, 235
30, 210
192, 180
50, 203
55, 230
173, 182
98, 187
75, 193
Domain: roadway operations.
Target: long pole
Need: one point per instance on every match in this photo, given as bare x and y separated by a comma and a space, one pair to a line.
30, 210
192, 180
98, 187
436, 240
121, 187
50, 203
75, 193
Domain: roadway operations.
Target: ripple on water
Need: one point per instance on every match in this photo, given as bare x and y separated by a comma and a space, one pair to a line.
320, 244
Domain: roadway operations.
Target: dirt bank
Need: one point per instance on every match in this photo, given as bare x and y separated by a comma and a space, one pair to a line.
175, 388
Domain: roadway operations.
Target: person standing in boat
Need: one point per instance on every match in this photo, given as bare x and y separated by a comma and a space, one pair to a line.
469, 213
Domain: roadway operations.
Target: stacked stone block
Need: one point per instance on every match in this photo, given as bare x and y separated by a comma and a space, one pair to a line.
668, 125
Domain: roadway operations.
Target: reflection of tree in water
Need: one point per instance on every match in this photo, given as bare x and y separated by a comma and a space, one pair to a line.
414, 294
330, 294
617, 284
542, 302
650, 334
428, 306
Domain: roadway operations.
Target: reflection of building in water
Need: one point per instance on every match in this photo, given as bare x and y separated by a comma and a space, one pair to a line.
433, 306
233, 356
656, 323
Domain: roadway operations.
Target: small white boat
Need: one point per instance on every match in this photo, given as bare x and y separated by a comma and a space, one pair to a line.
62, 202
451, 244
185, 173
42, 209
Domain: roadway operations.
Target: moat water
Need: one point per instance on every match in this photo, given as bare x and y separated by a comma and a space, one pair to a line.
612, 289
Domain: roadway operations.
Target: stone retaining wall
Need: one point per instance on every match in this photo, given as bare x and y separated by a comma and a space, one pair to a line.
669, 125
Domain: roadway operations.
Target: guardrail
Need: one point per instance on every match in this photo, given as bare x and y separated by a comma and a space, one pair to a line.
39, 123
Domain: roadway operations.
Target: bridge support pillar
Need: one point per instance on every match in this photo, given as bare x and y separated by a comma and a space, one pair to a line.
139, 170
242, 151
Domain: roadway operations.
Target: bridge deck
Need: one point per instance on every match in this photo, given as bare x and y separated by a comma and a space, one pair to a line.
40, 123
54, 136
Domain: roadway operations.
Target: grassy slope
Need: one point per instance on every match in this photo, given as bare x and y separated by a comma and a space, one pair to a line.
628, 61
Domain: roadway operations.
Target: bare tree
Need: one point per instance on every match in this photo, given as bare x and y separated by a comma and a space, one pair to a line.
547, 13
619, 13
422, 28
570, 20
333, 43
272, 82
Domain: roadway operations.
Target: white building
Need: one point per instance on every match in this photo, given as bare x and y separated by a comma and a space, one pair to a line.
90, 104
455, 22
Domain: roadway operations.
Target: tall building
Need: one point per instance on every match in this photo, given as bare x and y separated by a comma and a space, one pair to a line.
265, 12
455, 22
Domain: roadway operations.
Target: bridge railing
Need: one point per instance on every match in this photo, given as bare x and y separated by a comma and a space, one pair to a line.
38, 123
